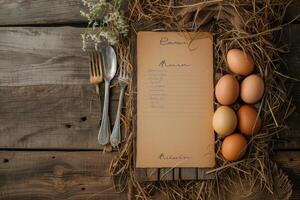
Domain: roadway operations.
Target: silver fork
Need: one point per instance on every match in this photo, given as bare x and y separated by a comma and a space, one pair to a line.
115, 138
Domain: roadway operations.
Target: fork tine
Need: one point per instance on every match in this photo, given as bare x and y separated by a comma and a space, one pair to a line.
100, 64
96, 64
91, 64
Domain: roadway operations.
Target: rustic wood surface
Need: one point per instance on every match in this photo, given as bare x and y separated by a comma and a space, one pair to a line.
26, 12
74, 175
42, 55
40, 12
58, 175
51, 116
48, 112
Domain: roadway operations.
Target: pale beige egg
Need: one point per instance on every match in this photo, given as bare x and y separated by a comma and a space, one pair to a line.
240, 62
252, 89
224, 121
227, 90
234, 147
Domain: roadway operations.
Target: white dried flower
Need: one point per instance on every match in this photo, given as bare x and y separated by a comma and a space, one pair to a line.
112, 26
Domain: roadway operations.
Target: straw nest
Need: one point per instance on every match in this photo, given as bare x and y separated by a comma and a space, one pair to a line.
254, 26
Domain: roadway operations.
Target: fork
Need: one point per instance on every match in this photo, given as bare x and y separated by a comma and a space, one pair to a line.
96, 76
115, 138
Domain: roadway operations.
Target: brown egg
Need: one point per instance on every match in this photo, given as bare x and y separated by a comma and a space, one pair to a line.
249, 121
252, 89
227, 90
240, 62
224, 121
234, 147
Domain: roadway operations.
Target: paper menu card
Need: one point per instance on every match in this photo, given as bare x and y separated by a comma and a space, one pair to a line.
174, 100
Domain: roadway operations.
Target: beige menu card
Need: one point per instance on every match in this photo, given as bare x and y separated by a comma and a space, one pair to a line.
174, 100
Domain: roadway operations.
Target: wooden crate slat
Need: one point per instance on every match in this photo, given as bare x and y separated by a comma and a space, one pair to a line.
189, 173
152, 174
166, 174
176, 172
202, 174
141, 174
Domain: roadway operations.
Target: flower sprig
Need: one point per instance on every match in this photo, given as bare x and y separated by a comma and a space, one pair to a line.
105, 22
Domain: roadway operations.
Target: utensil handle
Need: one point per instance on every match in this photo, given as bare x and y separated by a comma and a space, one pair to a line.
104, 131
115, 138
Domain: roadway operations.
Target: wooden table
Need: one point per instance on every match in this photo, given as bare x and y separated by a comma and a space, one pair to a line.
49, 111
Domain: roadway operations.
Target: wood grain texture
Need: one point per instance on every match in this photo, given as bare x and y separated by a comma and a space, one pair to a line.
291, 138
289, 162
51, 116
81, 175
23, 12
293, 11
42, 55
40, 12
56, 175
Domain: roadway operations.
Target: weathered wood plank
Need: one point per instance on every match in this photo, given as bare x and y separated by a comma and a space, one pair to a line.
291, 138
42, 55
293, 11
56, 175
51, 116
81, 175
289, 162
40, 12
23, 12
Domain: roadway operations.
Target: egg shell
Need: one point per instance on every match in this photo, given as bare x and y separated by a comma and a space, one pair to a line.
234, 147
240, 62
249, 122
224, 121
227, 90
252, 89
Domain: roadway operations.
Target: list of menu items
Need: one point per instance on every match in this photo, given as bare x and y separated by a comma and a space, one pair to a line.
174, 100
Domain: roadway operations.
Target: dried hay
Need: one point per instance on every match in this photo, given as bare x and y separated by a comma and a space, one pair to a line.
254, 26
